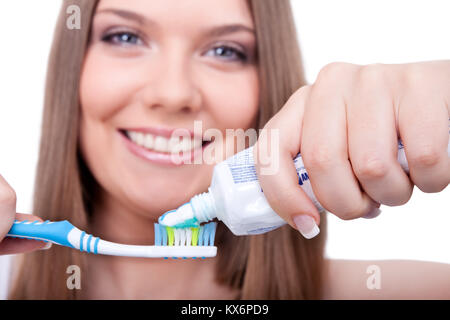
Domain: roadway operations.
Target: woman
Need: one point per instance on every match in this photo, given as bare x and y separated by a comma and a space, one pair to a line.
150, 67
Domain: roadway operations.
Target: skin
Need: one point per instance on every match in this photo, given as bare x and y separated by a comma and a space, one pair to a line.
171, 77
398, 279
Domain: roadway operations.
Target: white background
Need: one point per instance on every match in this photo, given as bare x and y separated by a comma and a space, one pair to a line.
362, 32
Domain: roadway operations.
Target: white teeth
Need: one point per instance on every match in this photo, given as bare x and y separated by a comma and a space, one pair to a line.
132, 135
162, 144
174, 145
186, 144
140, 138
173, 142
149, 141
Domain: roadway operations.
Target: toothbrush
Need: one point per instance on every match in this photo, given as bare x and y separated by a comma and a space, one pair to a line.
169, 242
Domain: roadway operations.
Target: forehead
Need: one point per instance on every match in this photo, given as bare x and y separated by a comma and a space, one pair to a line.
184, 13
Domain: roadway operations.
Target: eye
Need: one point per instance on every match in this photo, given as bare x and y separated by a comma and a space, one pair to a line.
124, 38
229, 53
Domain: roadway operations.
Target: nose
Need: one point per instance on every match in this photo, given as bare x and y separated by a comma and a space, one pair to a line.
171, 86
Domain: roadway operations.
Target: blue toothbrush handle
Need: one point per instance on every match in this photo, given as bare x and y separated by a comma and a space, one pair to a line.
65, 234
57, 232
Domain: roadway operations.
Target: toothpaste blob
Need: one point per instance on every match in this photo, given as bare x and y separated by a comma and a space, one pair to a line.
236, 198
183, 217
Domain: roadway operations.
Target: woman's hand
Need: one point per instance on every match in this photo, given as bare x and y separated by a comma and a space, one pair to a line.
346, 126
7, 216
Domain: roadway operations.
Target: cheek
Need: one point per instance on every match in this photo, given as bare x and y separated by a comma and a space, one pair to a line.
234, 103
99, 100
104, 92
105, 86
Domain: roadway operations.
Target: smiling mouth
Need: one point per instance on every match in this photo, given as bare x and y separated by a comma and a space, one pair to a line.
172, 145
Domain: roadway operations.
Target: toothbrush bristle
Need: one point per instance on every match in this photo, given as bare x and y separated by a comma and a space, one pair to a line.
170, 236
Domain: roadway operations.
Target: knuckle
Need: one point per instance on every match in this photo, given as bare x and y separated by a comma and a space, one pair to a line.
372, 73
275, 120
427, 157
333, 72
414, 75
371, 167
295, 102
301, 92
335, 77
319, 158
332, 69
7, 195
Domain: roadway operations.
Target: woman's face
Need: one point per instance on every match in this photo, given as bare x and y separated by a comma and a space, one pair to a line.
155, 66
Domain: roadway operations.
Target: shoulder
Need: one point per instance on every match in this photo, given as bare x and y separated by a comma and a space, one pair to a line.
386, 279
9, 267
5, 275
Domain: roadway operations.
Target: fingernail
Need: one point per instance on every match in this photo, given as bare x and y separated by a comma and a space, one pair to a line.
375, 212
306, 225
47, 246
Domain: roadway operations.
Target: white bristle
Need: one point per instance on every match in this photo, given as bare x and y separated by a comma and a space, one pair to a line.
182, 237
188, 236
176, 237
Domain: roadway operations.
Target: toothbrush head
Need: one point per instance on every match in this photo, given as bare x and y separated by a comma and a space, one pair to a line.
195, 242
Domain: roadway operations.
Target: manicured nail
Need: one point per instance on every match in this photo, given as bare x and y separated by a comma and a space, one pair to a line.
306, 225
47, 246
375, 212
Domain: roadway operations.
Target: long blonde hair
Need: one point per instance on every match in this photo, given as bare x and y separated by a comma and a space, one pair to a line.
278, 265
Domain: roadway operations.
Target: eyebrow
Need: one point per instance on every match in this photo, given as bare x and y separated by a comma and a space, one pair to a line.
212, 32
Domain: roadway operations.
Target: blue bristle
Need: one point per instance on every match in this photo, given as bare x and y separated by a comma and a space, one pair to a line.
205, 235
157, 234
212, 233
164, 236
200, 235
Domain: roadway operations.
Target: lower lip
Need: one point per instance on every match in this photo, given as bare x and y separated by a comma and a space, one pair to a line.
186, 157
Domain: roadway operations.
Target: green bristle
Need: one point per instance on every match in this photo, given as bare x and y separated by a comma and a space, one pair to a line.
170, 236
195, 236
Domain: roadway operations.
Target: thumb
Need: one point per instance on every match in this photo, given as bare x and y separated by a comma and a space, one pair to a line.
18, 245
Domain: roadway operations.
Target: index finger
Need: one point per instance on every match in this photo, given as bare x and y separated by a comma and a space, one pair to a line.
280, 184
